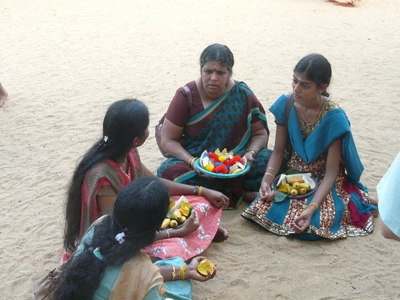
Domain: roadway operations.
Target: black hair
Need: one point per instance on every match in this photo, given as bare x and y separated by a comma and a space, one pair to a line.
317, 69
138, 212
219, 53
124, 121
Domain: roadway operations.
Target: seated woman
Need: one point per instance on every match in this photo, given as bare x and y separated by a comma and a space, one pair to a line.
110, 254
389, 203
318, 131
223, 113
114, 162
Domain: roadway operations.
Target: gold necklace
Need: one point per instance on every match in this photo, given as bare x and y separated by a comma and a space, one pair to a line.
316, 115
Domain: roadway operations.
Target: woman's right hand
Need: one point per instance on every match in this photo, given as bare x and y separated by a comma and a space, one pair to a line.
192, 273
266, 193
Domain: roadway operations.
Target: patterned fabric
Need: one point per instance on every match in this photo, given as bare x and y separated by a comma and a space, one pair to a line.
108, 178
345, 211
224, 124
389, 197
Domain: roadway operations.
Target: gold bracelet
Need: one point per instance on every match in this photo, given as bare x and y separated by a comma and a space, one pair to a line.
271, 168
200, 190
269, 174
190, 160
173, 273
312, 204
183, 272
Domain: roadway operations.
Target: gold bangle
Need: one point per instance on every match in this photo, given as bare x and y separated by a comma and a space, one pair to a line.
173, 273
189, 162
183, 272
312, 204
271, 168
269, 174
200, 191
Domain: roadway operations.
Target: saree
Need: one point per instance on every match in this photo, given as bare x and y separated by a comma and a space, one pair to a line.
226, 123
345, 211
108, 178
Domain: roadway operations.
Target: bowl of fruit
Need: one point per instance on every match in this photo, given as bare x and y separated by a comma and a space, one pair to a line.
296, 186
178, 212
222, 164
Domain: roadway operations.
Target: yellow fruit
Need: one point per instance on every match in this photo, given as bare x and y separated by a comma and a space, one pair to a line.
305, 185
205, 266
294, 192
283, 189
181, 219
165, 223
176, 214
296, 185
173, 223
171, 203
302, 191
208, 167
186, 209
296, 180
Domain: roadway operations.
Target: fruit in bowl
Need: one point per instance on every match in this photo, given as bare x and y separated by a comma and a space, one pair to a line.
222, 162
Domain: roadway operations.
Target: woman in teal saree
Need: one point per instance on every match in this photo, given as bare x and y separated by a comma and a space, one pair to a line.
223, 113
322, 144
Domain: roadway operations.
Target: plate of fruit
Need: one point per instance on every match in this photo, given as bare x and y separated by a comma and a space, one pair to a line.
178, 212
296, 186
222, 164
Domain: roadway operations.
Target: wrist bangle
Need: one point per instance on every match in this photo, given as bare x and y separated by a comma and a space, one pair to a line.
167, 231
312, 204
183, 272
200, 191
271, 168
196, 190
173, 273
269, 174
253, 153
189, 162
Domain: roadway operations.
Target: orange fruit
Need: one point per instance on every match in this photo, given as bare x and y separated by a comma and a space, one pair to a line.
186, 208
205, 266
171, 203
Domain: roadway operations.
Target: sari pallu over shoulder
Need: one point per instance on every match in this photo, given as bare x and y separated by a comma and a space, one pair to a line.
334, 125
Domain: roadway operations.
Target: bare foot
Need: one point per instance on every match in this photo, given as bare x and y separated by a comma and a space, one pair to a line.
3, 95
221, 235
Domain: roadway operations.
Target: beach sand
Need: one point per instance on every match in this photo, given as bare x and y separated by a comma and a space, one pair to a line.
64, 62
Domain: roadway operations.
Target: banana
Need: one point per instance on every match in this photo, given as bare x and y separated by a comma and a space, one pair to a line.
305, 186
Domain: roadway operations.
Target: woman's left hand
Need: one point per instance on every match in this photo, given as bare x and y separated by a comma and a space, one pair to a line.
302, 222
217, 199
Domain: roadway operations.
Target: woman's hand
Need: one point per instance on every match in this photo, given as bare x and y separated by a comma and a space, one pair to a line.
216, 199
191, 224
302, 222
266, 193
191, 270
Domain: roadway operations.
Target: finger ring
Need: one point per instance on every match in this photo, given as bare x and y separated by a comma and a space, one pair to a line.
219, 203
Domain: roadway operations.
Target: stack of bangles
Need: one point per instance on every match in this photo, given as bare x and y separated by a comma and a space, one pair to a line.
191, 160
198, 190
182, 272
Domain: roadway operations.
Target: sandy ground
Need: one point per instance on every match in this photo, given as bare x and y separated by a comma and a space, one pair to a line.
64, 62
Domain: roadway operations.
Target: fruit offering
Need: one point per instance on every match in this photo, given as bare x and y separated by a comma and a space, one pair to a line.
205, 266
222, 162
295, 185
178, 212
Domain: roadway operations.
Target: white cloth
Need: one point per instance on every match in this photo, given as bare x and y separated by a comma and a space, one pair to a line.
388, 190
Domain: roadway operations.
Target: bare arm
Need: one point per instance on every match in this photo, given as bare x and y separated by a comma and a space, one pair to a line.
387, 233
274, 164
258, 140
